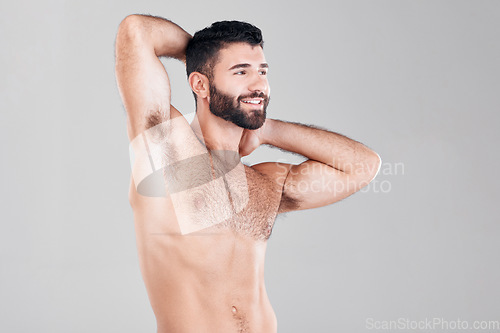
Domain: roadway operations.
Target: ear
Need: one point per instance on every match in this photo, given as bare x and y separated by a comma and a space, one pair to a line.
199, 84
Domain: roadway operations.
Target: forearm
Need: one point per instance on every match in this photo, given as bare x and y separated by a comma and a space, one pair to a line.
165, 37
327, 147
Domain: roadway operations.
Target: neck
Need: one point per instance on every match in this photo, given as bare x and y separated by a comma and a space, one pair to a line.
215, 132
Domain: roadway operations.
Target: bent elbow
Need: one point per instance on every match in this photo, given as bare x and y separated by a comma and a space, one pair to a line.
129, 20
369, 169
130, 27
374, 167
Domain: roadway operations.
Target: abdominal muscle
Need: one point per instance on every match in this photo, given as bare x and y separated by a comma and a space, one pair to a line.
207, 281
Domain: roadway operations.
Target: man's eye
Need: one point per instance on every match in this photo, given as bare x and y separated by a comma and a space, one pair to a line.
263, 72
240, 72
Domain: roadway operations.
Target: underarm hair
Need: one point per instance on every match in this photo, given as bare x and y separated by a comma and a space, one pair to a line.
287, 202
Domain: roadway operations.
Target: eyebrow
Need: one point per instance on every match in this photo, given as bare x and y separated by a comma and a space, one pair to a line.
263, 65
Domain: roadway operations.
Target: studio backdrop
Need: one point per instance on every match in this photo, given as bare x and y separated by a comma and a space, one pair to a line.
416, 81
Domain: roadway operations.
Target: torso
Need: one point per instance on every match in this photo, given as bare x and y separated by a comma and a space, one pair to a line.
210, 277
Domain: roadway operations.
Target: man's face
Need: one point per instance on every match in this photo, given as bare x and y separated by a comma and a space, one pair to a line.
239, 92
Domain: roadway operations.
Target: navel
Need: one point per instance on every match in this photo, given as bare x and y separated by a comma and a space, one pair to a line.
241, 322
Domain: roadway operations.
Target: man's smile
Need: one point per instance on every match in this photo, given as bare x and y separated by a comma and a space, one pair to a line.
255, 101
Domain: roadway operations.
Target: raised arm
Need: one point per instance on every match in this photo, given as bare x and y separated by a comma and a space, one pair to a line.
336, 167
142, 80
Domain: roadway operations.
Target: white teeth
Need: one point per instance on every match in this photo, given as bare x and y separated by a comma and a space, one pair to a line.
252, 102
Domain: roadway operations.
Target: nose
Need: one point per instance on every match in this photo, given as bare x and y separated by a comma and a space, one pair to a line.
259, 83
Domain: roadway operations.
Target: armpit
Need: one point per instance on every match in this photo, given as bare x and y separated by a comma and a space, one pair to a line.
287, 204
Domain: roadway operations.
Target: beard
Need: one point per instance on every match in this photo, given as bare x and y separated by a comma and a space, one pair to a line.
229, 108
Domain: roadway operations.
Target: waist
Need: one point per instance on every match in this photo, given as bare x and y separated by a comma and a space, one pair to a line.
184, 303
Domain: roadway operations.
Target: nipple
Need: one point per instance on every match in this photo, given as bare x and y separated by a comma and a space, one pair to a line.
199, 202
234, 310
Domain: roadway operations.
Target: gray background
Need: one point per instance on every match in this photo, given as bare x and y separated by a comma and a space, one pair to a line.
417, 81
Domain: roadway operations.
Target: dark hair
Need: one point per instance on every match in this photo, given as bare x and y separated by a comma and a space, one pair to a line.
203, 49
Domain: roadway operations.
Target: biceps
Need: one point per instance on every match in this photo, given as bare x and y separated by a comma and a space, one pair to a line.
314, 184
142, 81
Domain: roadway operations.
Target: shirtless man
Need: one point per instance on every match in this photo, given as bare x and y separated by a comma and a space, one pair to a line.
202, 218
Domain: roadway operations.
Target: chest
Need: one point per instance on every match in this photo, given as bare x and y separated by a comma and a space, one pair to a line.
222, 196
255, 216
